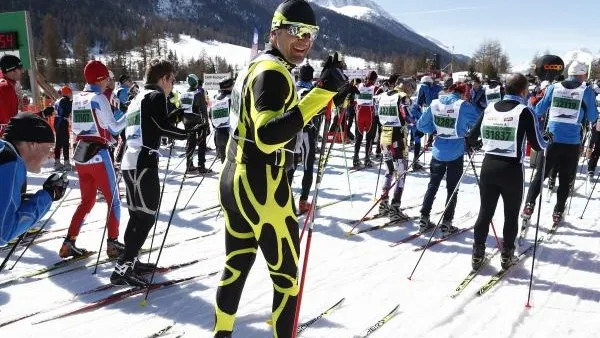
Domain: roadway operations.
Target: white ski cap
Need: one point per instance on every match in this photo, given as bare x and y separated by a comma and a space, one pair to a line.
426, 79
544, 84
577, 68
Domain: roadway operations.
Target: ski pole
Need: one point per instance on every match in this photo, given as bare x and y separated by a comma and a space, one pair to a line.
492, 221
378, 175
345, 159
36, 235
537, 228
114, 192
144, 302
198, 186
12, 250
589, 197
162, 192
384, 194
454, 192
310, 217
323, 157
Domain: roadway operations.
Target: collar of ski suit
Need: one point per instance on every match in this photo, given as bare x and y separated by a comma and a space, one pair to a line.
92, 88
517, 98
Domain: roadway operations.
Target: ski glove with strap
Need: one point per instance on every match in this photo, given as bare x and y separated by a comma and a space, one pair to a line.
332, 75
56, 185
548, 136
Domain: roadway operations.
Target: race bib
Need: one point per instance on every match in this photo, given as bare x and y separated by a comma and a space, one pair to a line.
133, 131
219, 113
566, 104
365, 95
389, 114
445, 118
82, 117
499, 131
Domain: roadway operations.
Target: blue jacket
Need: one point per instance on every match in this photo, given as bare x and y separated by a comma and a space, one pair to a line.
435, 91
304, 84
123, 95
478, 99
447, 150
424, 97
564, 132
17, 216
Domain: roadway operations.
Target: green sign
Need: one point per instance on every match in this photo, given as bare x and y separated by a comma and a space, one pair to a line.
17, 22
444, 121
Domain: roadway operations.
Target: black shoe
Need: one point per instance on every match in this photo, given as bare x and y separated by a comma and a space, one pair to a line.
424, 224
203, 170
447, 228
557, 216
368, 163
142, 268
527, 211
396, 214
384, 207
124, 274
551, 183
478, 256
508, 258
114, 248
356, 163
417, 166
68, 249
378, 157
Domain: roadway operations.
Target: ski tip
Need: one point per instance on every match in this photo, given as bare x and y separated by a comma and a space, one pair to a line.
348, 233
144, 303
269, 322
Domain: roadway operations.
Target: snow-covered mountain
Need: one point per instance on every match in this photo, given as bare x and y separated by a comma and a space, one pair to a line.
371, 12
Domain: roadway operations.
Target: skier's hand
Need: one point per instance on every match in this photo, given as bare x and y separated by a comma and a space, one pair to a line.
332, 76
476, 145
56, 185
48, 111
548, 136
341, 95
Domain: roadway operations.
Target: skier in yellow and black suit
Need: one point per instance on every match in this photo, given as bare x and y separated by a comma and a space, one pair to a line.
265, 116
393, 115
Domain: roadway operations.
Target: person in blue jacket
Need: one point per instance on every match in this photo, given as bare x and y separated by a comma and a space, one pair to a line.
26, 145
450, 117
424, 92
478, 95
122, 94
569, 103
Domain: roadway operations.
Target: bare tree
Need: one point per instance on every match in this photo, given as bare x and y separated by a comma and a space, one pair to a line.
490, 59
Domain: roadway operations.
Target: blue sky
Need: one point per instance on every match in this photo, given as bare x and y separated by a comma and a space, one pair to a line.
522, 27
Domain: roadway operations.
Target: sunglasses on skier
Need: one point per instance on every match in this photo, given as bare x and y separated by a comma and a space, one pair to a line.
300, 30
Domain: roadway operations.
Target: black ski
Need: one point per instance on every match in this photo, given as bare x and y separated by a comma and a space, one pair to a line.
302, 327
380, 323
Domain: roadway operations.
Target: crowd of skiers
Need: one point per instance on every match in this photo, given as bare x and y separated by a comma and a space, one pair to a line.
267, 124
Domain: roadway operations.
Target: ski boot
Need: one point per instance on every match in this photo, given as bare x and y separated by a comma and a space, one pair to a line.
551, 183
124, 274
192, 170
142, 268
417, 166
204, 170
356, 163
58, 166
508, 258
114, 248
557, 216
378, 157
384, 207
303, 206
447, 228
368, 162
396, 214
68, 249
67, 167
478, 256
424, 224
527, 211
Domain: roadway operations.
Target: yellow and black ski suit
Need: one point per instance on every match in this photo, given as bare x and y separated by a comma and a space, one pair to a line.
265, 117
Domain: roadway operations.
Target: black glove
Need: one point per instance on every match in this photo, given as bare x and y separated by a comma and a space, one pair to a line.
56, 185
332, 76
341, 95
476, 144
548, 136
48, 111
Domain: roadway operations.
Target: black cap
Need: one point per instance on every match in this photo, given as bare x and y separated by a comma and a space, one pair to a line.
226, 84
306, 72
294, 11
124, 78
10, 62
372, 76
448, 82
28, 127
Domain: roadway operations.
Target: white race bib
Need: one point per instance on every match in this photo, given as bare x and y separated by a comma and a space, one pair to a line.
493, 95
82, 117
499, 131
133, 131
219, 113
389, 114
566, 104
365, 95
187, 100
445, 118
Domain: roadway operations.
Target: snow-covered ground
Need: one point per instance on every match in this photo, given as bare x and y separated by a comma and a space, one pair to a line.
364, 269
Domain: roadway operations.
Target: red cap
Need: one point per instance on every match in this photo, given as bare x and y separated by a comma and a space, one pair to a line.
66, 91
95, 71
